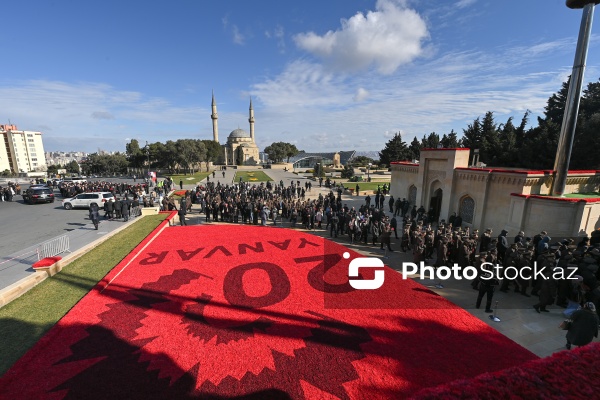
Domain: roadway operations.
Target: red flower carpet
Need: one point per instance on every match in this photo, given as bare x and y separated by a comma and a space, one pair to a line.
252, 312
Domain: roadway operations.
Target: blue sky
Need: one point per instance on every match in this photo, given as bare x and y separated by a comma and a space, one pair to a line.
326, 75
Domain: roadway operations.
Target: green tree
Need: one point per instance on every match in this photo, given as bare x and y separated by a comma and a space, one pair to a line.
276, 152
72, 167
450, 141
214, 152
239, 156
135, 155
290, 151
472, 138
362, 161
53, 169
415, 149
432, 141
319, 170
394, 150
170, 157
347, 172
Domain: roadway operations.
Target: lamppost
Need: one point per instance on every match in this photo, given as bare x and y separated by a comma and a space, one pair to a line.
148, 155
567, 130
369, 171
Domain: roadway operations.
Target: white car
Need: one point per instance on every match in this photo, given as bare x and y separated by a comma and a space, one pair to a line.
84, 200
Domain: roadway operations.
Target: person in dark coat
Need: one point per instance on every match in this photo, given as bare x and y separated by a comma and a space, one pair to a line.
584, 326
109, 207
95, 215
486, 287
394, 226
547, 292
181, 212
118, 206
125, 203
502, 245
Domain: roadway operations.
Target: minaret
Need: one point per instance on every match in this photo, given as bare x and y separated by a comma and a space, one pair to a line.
251, 120
215, 117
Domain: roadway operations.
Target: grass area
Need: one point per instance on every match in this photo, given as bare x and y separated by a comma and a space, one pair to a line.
252, 176
25, 320
365, 185
582, 195
189, 178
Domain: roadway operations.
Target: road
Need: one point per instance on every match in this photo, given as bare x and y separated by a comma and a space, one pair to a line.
23, 225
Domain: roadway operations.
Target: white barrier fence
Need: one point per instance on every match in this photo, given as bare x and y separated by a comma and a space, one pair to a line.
53, 247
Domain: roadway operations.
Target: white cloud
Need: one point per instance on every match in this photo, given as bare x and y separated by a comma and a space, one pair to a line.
238, 38
361, 94
69, 115
465, 3
386, 38
434, 95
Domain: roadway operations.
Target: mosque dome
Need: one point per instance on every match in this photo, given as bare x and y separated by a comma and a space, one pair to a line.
239, 133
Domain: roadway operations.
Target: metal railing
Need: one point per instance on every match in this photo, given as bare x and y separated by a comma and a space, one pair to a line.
53, 247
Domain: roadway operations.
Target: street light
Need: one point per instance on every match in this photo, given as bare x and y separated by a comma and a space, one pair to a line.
368, 172
567, 130
148, 155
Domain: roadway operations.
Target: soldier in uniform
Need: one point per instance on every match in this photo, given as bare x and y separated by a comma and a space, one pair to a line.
485, 241
509, 261
487, 287
334, 224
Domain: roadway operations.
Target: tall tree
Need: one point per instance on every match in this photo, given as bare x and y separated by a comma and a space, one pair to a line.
135, 155
394, 150
291, 151
472, 138
415, 149
72, 167
430, 141
450, 141
277, 151
214, 152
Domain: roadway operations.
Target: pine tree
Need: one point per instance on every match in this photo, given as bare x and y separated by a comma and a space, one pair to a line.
394, 150
415, 149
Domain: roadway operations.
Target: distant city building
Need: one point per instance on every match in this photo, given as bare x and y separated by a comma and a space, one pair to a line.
21, 151
241, 148
63, 158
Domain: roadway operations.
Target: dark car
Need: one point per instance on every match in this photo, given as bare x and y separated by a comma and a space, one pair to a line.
40, 194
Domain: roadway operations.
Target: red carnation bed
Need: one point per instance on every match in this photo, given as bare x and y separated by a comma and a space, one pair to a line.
227, 311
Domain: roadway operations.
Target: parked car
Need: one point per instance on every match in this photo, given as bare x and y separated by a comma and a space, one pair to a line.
38, 194
84, 200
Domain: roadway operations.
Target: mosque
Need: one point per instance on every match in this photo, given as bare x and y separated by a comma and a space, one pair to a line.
241, 148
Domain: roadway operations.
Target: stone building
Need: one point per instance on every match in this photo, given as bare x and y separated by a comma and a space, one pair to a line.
497, 198
240, 148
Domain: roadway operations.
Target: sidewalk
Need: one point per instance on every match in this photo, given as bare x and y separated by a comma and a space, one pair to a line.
16, 268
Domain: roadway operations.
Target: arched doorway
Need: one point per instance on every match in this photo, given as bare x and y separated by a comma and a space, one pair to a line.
435, 204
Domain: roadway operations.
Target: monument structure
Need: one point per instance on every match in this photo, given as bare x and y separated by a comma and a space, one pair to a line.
497, 198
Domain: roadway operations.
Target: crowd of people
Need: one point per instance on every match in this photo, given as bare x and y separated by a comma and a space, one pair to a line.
8, 192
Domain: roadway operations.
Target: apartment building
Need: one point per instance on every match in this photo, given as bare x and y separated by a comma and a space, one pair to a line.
21, 151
